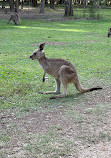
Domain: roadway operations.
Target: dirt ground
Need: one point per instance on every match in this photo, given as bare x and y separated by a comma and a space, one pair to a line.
90, 136
87, 132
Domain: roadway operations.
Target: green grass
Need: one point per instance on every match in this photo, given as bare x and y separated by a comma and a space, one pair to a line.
48, 144
85, 44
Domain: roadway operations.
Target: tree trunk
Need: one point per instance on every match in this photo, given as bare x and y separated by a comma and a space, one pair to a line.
22, 4
16, 6
68, 8
86, 3
52, 4
34, 3
42, 6
3, 4
11, 5
46, 2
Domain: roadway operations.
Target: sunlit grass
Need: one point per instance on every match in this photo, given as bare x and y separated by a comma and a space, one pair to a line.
52, 29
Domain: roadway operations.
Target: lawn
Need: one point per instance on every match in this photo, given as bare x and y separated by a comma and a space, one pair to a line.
86, 45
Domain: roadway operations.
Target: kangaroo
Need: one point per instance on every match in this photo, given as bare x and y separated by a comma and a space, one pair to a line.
109, 32
62, 70
15, 18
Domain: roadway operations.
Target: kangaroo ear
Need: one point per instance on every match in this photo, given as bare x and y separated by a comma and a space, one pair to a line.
42, 46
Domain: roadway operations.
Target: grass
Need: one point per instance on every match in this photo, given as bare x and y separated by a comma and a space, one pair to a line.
85, 44
53, 148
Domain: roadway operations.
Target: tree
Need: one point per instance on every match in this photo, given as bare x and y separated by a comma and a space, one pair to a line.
34, 3
16, 6
22, 4
42, 6
11, 3
3, 4
68, 8
52, 4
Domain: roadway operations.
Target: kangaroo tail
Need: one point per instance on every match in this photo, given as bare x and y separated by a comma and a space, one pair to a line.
83, 90
95, 88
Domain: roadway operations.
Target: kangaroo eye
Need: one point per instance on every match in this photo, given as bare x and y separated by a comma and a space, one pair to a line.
34, 53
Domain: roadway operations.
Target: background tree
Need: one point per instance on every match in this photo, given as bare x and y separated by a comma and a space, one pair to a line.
42, 5
52, 4
68, 8
11, 3
34, 3
3, 4
22, 4
16, 6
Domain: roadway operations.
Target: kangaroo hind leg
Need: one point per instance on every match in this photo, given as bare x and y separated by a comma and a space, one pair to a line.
65, 79
61, 95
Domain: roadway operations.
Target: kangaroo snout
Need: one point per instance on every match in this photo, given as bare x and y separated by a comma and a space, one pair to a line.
31, 57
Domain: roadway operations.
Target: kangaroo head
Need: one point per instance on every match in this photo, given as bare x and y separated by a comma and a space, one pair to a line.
38, 53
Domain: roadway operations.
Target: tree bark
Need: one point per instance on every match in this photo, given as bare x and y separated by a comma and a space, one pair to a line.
22, 4
16, 6
3, 4
34, 3
52, 4
68, 8
42, 6
11, 3
46, 2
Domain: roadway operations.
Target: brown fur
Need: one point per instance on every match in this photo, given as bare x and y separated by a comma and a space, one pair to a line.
15, 18
62, 70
